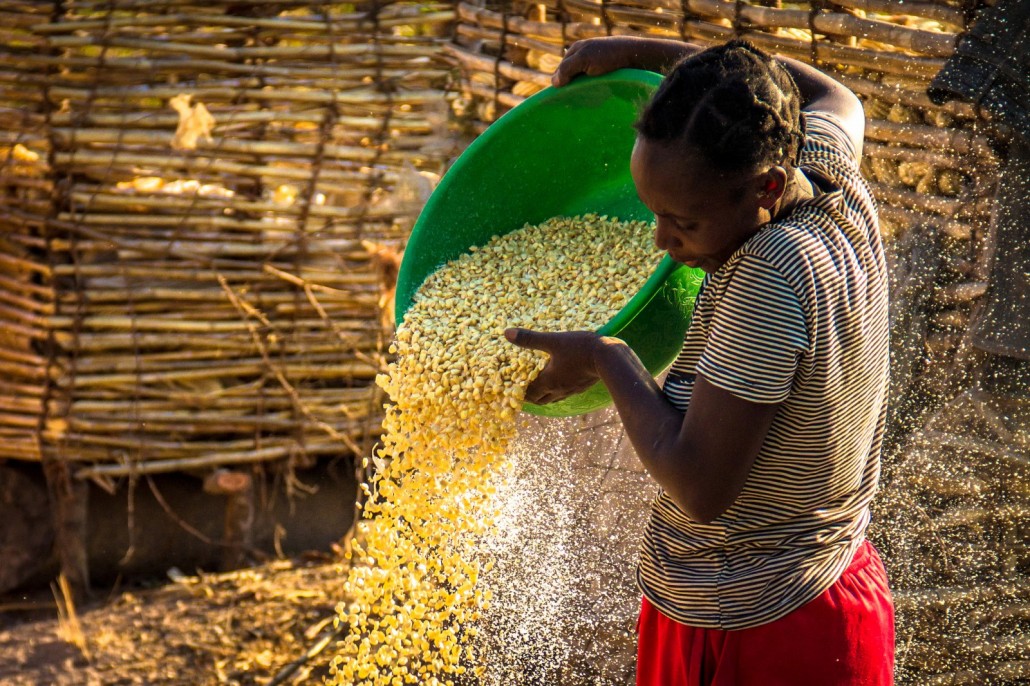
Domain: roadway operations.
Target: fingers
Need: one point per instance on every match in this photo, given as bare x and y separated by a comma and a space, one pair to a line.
539, 393
571, 65
536, 396
524, 338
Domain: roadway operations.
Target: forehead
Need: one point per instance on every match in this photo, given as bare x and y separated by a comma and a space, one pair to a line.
670, 180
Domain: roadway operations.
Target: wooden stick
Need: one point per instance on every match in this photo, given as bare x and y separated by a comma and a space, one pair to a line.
30, 372
347, 23
227, 119
21, 353
205, 423
340, 370
828, 53
504, 68
21, 388
301, 52
173, 297
219, 459
204, 166
28, 451
479, 33
957, 140
904, 96
24, 421
198, 249
156, 363
29, 304
925, 202
350, 397
75, 136
21, 405
910, 218
504, 98
278, 372
938, 160
941, 12
299, 341
174, 272
169, 325
287, 227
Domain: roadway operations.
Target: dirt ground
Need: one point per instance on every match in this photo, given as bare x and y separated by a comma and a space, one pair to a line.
239, 628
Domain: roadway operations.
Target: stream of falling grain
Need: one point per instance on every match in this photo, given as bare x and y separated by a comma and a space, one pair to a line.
456, 387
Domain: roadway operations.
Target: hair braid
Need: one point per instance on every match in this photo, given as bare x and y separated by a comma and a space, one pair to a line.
734, 104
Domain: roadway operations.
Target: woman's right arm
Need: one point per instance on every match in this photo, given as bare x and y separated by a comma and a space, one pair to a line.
819, 92
596, 56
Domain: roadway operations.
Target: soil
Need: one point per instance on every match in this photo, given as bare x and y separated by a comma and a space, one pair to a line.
240, 628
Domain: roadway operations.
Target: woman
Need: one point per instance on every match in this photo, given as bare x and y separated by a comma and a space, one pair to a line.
765, 438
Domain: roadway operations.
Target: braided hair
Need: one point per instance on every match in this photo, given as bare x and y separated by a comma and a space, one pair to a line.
734, 104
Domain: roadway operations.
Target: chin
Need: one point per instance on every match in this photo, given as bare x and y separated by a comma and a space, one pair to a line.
704, 265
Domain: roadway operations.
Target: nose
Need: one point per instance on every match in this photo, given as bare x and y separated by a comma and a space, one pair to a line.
664, 236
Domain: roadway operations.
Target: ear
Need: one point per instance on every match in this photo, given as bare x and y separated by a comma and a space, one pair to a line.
771, 186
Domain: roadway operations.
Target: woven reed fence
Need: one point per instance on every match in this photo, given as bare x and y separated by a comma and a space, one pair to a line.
953, 515
201, 202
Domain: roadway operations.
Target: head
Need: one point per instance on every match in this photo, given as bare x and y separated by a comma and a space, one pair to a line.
716, 151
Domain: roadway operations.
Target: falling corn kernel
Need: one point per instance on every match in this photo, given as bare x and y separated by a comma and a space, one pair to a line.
455, 388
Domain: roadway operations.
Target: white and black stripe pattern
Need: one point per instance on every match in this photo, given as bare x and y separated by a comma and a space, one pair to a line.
797, 316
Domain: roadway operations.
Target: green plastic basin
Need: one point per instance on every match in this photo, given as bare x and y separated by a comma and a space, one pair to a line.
563, 152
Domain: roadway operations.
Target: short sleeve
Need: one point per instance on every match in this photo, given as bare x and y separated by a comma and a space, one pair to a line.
826, 142
757, 335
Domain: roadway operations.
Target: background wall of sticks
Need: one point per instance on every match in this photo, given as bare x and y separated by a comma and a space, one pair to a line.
201, 208
195, 195
953, 515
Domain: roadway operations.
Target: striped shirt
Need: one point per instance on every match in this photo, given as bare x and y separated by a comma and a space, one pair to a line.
796, 316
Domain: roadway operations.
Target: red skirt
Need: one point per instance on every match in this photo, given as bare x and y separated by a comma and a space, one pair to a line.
845, 637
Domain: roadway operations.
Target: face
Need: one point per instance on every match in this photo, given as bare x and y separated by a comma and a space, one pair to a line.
701, 216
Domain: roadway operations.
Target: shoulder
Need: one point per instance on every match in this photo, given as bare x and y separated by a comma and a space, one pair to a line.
797, 252
784, 246
768, 270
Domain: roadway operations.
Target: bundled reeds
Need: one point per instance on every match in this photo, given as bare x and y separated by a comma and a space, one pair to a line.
26, 186
195, 199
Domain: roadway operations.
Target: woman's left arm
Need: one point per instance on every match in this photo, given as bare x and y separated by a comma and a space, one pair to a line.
701, 458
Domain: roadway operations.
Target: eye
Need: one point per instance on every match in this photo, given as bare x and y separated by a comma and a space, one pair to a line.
678, 223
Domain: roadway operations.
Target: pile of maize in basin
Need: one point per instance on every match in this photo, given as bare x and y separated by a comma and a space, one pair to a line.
421, 583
